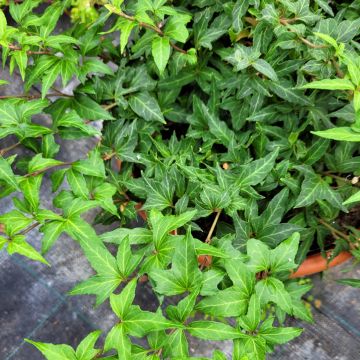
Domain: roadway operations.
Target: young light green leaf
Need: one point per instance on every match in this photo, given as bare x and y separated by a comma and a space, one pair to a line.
85, 350
51, 230
161, 52
54, 352
121, 303
39, 163
339, 133
102, 285
3, 23
330, 84
49, 78
20, 246
7, 175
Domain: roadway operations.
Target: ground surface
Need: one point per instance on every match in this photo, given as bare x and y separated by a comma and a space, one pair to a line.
33, 301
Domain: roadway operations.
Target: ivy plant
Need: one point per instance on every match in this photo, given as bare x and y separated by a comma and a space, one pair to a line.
210, 114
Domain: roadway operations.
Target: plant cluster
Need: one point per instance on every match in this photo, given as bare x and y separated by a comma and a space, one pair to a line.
211, 112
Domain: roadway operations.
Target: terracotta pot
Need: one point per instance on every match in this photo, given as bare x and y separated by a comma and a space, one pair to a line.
316, 263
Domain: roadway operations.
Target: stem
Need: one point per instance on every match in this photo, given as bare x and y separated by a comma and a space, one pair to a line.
310, 44
5, 150
335, 231
30, 97
38, 172
287, 22
30, 52
339, 72
156, 29
25, 231
110, 106
208, 238
341, 179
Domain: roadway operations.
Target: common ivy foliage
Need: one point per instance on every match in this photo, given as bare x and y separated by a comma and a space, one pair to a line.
211, 113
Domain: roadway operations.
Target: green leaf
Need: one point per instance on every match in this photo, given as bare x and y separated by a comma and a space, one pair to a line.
121, 303
315, 188
30, 186
225, 303
103, 194
3, 23
139, 323
184, 274
20, 246
176, 29
285, 91
117, 339
51, 231
89, 109
283, 256
184, 307
102, 286
126, 27
212, 330
163, 225
54, 352
352, 198
21, 59
280, 335
259, 255
49, 78
93, 166
339, 133
350, 282
95, 251
127, 262
72, 119
241, 276
161, 52
275, 209
177, 345
6, 173
330, 84
94, 65
265, 68
146, 106
256, 171
136, 236
272, 289
253, 316
39, 163
15, 221
85, 350
238, 12
77, 183
211, 279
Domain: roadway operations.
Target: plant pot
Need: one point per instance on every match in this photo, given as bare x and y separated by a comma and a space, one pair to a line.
316, 263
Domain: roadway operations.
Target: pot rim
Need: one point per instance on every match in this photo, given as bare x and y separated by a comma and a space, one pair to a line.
316, 263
